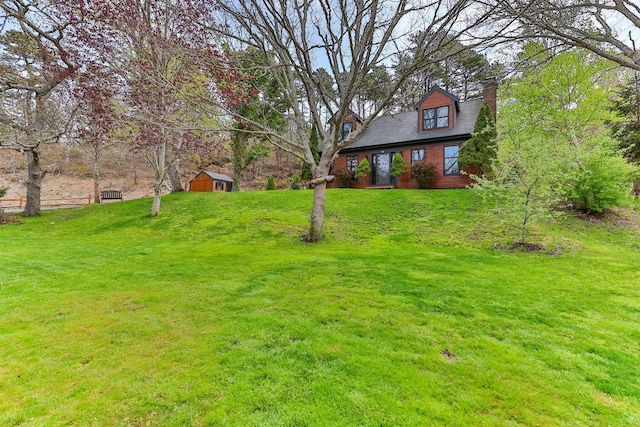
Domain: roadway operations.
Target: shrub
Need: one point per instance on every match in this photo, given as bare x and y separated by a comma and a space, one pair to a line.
294, 182
344, 178
398, 165
3, 192
363, 169
602, 182
424, 173
305, 171
271, 184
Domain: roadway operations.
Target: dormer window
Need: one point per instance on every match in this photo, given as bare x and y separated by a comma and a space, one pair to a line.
347, 127
435, 118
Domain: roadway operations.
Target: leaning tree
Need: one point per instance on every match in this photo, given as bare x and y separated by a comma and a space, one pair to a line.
348, 39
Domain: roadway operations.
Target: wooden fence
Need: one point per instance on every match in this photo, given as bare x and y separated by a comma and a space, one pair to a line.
18, 203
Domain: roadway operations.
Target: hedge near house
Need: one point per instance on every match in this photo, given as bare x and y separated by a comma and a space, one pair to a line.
424, 173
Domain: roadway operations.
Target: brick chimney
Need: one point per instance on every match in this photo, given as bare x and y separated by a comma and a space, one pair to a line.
490, 93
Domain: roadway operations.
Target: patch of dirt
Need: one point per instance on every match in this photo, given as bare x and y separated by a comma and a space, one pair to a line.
61, 186
304, 238
622, 217
557, 251
447, 354
528, 247
8, 218
618, 217
69, 172
525, 247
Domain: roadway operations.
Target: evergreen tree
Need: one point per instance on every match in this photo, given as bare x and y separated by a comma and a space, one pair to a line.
266, 108
627, 107
271, 184
480, 150
398, 165
363, 168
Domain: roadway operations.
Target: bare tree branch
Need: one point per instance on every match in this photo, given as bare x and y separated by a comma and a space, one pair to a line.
598, 26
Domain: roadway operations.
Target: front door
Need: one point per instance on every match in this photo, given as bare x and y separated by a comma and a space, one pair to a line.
381, 169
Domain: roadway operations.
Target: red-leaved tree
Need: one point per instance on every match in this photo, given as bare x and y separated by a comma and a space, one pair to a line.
98, 117
160, 59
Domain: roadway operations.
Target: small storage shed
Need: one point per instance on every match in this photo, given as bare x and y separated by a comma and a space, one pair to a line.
209, 181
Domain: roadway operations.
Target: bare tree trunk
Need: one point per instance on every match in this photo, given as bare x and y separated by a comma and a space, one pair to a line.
157, 195
238, 159
319, 201
134, 163
34, 183
172, 172
160, 170
174, 178
96, 178
317, 212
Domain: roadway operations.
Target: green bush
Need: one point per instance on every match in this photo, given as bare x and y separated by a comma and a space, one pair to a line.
3, 192
294, 182
344, 178
398, 165
602, 182
305, 171
363, 169
271, 184
424, 173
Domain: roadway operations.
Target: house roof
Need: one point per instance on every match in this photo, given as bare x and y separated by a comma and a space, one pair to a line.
403, 128
442, 91
351, 112
218, 176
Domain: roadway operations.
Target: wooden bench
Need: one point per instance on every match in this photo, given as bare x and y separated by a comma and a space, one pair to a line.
110, 195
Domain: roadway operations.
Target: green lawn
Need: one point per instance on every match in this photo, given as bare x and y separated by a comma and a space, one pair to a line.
216, 313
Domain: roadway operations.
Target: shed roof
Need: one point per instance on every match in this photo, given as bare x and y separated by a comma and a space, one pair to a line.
218, 176
403, 128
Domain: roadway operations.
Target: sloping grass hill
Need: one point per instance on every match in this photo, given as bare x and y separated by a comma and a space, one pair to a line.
406, 314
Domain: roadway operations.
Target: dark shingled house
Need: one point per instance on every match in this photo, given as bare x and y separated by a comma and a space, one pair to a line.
434, 132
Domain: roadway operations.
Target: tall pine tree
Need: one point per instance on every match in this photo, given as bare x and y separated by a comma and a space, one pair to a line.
480, 150
627, 108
